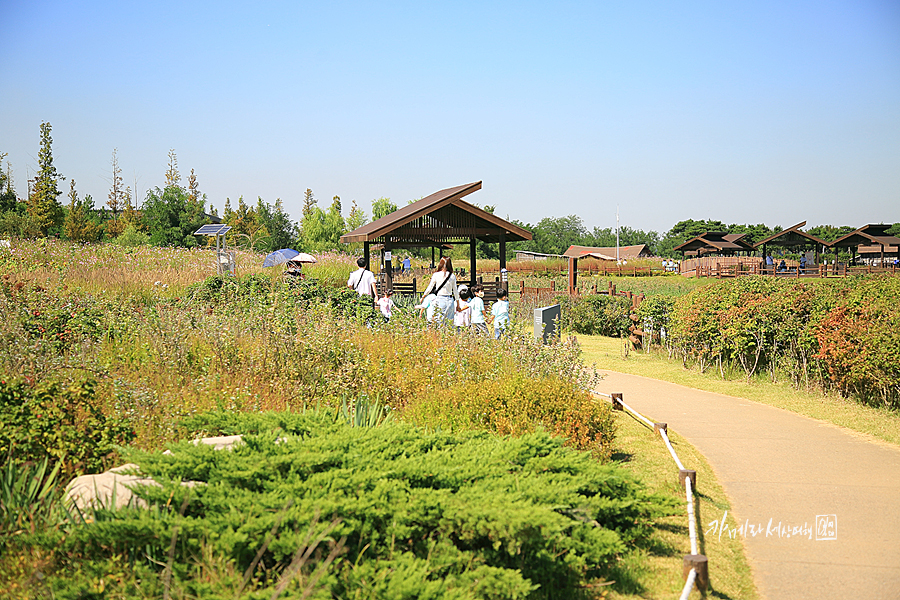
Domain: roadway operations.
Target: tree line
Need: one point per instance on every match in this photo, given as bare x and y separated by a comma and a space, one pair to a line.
170, 214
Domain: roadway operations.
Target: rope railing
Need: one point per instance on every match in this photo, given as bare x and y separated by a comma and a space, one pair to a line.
688, 585
698, 574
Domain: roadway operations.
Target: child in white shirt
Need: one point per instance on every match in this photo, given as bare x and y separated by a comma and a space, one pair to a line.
386, 304
500, 312
462, 317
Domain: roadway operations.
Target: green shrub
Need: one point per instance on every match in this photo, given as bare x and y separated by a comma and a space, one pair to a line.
46, 420
859, 341
844, 334
595, 314
654, 312
131, 238
468, 515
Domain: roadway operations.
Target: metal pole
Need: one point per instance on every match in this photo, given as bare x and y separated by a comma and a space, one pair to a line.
472, 261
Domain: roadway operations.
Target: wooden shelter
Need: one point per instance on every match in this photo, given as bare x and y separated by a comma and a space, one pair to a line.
792, 237
715, 242
868, 239
434, 221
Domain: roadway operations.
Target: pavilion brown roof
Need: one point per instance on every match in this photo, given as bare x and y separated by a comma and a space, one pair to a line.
868, 235
440, 218
794, 236
715, 241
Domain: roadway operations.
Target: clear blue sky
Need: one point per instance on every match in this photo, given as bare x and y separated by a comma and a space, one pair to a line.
746, 112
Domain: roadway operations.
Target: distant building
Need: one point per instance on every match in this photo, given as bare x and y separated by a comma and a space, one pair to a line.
625, 252
528, 255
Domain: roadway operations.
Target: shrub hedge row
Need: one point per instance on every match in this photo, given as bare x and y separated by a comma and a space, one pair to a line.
842, 334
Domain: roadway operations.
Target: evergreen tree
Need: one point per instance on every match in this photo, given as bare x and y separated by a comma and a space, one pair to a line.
43, 206
78, 225
193, 190
829, 233
116, 201
357, 217
283, 232
227, 213
335, 226
173, 177
8, 200
309, 203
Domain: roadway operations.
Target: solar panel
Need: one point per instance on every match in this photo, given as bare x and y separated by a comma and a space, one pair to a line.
214, 229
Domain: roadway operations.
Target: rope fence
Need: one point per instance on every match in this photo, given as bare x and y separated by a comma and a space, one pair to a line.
695, 568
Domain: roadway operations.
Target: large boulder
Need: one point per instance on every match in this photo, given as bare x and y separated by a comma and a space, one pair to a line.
115, 488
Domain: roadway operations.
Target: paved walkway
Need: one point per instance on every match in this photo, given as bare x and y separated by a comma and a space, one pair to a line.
778, 465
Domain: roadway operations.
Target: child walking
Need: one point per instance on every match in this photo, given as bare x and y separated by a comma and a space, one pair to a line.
386, 304
463, 315
478, 312
500, 312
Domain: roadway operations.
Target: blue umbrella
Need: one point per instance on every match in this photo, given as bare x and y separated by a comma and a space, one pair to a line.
279, 257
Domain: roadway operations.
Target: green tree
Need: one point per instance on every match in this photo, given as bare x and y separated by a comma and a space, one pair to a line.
606, 238
246, 225
8, 200
554, 235
78, 225
335, 226
173, 177
43, 206
116, 201
753, 233
309, 203
382, 207
829, 233
172, 218
357, 217
283, 232
322, 230
193, 188
685, 230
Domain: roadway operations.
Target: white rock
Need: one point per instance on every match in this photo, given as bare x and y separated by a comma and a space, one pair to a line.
115, 488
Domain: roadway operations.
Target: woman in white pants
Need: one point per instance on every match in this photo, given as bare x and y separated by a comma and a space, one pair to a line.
443, 285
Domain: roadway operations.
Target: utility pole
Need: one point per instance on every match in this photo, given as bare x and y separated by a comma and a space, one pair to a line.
617, 235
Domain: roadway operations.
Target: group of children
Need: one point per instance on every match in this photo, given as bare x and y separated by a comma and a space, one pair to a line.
471, 311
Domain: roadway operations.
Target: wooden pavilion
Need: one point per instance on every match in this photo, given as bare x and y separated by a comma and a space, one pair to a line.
868, 239
435, 221
792, 237
715, 242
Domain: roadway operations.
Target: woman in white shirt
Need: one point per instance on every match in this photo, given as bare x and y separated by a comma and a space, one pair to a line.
443, 285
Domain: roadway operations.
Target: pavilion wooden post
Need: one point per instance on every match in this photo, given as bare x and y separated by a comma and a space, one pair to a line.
573, 275
505, 284
366, 254
432, 257
388, 275
472, 262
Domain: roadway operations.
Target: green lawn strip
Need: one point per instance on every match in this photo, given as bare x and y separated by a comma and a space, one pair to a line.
880, 423
641, 451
